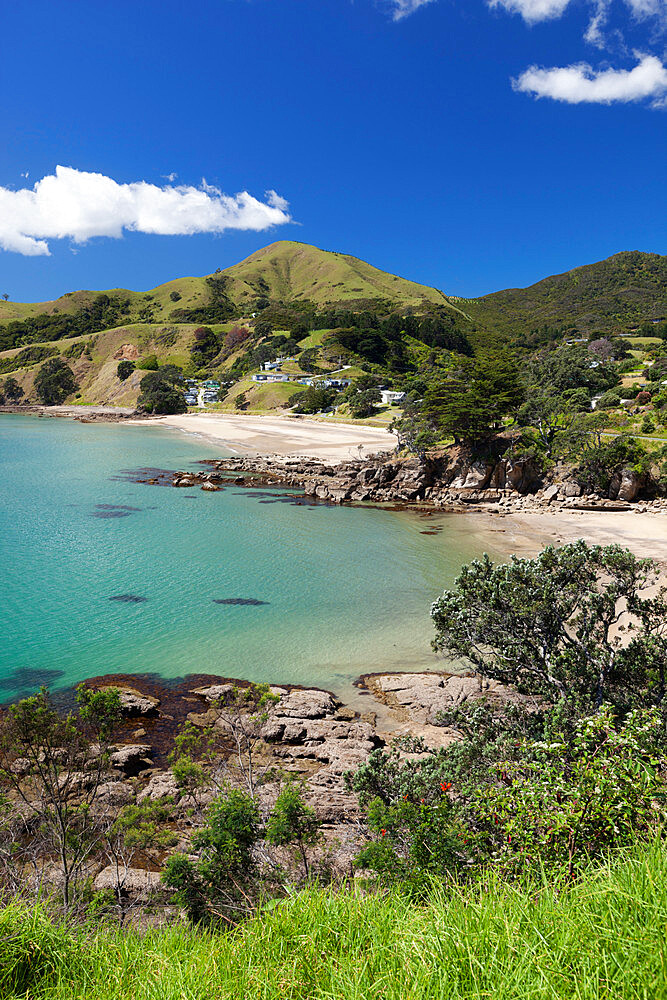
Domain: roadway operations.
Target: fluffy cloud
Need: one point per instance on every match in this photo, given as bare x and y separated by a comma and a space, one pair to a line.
533, 10
580, 84
544, 10
78, 205
403, 8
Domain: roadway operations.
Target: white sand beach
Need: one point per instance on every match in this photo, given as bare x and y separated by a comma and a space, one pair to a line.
295, 436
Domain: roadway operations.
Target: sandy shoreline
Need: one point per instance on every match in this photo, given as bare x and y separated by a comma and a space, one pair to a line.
284, 436
527, 533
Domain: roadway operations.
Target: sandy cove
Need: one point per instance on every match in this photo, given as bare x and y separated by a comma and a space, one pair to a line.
293, 436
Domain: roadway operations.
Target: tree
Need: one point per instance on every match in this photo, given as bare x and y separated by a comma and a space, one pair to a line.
54, 766
54, 382
236, 336
315, 399
125, 369
161, 391
221, 882
5, 296
552, 414
292, 821
471, 405
572, 625
11, 390
604, 461
175, 296
205, 347
362, 404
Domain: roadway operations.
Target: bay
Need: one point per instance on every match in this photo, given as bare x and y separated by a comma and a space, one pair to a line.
101, 574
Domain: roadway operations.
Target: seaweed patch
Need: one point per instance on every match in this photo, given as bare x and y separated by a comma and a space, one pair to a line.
128, 598
240, 601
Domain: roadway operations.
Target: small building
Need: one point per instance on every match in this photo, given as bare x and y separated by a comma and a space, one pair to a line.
388, 396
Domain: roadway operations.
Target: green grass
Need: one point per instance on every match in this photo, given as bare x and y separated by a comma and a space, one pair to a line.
603, 938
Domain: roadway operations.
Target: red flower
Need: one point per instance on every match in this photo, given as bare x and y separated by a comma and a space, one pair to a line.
445, 785
383, 832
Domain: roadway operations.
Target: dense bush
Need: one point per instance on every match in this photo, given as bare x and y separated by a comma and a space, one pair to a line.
54, 382
603, 463
161, 391
103, 312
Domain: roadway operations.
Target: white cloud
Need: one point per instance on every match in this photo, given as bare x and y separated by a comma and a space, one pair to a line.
580, 84
403, 8
79, 205
533, 10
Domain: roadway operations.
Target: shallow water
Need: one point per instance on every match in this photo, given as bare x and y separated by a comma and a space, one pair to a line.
104, 575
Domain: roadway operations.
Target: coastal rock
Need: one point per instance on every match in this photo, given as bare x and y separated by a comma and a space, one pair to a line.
425, 695
309, 704
161, 786
132, 759
137, 882
213, 692
133, 702
210, 487
630, 485
114, 793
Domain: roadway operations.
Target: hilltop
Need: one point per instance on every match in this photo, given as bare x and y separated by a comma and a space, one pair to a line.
612, 295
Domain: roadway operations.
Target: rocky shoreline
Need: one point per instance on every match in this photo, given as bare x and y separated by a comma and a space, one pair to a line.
444, 482
306, 734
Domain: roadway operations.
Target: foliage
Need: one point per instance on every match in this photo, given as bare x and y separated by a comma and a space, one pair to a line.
218, 308
206, 346
555, 625
125, 369
292, 821
594, 938
149, 363
28, 356
161, 392
54, 766
236, 336
221, 883
564, 800
314, 399
11, 390
362, 404
103, 312
603, 463
143, 825
471, 404
54, 382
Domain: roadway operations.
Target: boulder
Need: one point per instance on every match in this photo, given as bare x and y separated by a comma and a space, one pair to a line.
551, 493
133, 702
161, 786
130, 881
309, 704
132, 759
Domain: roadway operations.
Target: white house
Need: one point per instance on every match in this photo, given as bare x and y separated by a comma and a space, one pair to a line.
388, 396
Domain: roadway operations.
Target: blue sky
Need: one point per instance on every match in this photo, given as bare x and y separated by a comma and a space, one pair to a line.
468, 144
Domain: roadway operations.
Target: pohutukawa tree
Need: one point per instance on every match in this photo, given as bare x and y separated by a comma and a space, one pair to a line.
577, 624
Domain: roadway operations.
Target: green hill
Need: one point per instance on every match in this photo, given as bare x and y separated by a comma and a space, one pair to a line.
613, 295
289, 272
290, 285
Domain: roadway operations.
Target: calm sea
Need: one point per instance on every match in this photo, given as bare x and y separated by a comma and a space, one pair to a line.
104, 575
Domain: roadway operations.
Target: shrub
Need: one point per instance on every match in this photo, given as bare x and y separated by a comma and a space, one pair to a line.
148, 364
125, 369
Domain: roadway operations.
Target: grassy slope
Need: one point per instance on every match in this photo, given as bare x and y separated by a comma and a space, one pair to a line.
613, 294
295, 271
603, 937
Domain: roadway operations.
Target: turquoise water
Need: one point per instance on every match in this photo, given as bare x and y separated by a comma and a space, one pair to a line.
342, 590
